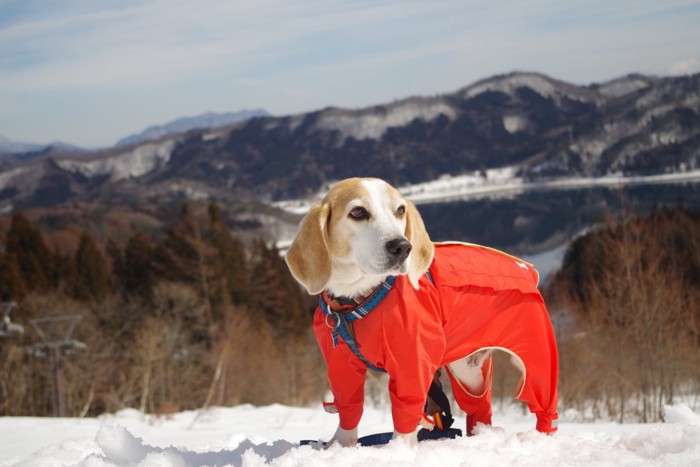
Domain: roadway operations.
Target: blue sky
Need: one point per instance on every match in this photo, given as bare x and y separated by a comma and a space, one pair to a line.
91, 72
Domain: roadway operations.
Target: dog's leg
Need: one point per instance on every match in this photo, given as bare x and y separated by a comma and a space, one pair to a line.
468, 371
410, 438
533, 350
346, 438
471, 386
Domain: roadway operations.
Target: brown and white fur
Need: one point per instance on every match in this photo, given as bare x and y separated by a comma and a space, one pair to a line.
360, 233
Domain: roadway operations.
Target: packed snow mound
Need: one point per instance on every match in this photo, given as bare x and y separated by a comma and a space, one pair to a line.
120, 447
249, 436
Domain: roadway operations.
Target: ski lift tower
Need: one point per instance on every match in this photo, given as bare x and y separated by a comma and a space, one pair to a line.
7, 327
55, 334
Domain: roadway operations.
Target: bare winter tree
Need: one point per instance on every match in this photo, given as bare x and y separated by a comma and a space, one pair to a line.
631, 287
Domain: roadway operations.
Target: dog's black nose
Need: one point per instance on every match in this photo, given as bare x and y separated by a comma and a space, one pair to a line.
398, 249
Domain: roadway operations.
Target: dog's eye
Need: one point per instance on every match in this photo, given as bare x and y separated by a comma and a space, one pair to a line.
359, 214
401, 211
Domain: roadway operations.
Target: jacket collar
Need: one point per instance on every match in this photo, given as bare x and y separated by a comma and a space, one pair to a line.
350, 308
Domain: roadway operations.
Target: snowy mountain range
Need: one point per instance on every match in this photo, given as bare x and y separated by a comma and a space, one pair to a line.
510, 132
11, 150
210, 120
10, 146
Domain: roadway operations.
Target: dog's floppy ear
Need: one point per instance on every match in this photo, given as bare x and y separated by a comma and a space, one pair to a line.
308, 257
422, 247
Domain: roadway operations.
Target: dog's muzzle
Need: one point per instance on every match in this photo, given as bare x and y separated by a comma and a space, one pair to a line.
397, 250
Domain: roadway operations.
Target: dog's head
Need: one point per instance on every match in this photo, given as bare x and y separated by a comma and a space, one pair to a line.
360, 233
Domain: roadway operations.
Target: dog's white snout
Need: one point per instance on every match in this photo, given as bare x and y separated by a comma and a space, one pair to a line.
398, 249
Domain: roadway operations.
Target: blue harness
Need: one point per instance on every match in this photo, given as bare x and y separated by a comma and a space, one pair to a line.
342, 321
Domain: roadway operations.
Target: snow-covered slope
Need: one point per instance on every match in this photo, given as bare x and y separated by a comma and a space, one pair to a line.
251, 436
625, 85
541, 84
139, 161
634, 125
373, 123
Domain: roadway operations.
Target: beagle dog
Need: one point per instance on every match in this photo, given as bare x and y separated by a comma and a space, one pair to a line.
417, 306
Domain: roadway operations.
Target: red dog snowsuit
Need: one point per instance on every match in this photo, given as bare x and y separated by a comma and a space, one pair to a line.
477, 298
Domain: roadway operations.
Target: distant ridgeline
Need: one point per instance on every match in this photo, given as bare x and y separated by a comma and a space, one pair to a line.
540, 126
527, 125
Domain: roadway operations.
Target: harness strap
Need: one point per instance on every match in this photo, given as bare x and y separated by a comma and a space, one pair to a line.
356, 313
347, 335
342, 322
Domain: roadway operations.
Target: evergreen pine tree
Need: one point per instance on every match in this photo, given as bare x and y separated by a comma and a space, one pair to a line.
277, 295
25, 248
116, 257
138, 280
92, 276
62, 272
12, 286
176, 258
232, 258
187, 226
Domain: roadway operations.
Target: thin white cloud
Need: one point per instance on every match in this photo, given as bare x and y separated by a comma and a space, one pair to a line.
172, 40
306, 54
685, 67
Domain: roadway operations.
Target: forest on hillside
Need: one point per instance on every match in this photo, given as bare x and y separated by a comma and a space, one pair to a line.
187, 318
193, 317
628, 294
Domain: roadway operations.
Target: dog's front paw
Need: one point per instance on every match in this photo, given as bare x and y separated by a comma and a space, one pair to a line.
345, 438
410, 438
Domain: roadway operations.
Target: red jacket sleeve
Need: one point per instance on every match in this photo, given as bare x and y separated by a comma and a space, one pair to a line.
346, 374
414, 343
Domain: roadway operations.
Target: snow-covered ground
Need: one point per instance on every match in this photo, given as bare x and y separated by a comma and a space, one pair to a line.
251, 436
